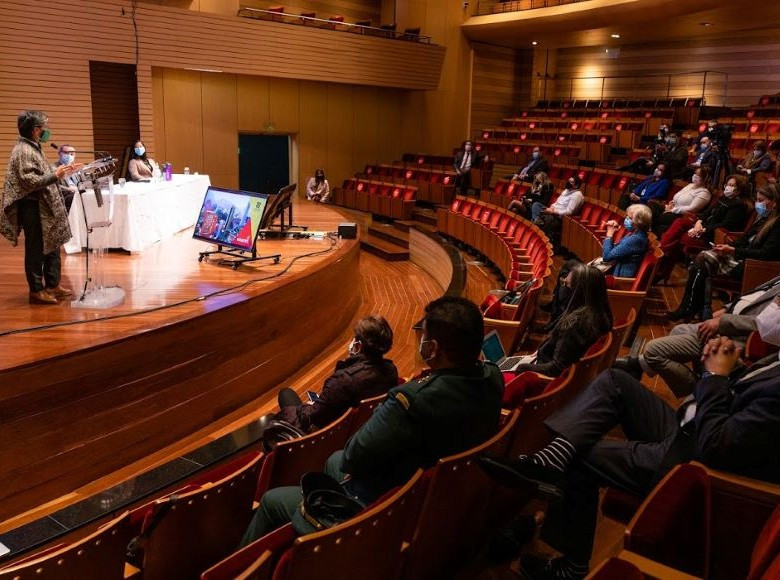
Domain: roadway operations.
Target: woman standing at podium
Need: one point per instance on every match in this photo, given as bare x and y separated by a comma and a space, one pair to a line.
31, 201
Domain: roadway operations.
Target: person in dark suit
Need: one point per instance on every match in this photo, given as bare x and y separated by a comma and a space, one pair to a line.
453, 408
465, 160
363, 374
730, 422
536, 164
706, 157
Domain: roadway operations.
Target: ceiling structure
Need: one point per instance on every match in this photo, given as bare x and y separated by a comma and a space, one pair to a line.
593, 22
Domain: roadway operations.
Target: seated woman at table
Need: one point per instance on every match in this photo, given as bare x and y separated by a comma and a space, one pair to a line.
586, 318
691, 199
141, 167
690, 235
760, 242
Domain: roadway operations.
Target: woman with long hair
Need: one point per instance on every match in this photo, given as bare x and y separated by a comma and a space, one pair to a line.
141, 167
318, 188
760, 242
541, 191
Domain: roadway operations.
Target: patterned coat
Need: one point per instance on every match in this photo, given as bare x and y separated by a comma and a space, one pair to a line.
29, 174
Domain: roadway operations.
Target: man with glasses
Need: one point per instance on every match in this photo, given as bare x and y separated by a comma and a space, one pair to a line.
31, 201
68, 185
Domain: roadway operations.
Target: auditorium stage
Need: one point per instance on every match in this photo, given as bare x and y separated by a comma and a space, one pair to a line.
86, 392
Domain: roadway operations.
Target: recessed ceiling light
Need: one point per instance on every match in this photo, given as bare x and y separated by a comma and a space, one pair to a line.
614, 36
706, 23
534, 43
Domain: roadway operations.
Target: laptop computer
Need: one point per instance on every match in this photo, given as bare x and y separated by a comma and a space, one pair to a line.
493, 351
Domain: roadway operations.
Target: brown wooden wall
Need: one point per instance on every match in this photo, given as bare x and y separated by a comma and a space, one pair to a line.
352, 10
751, 61
501, 83
114, 100
51, 71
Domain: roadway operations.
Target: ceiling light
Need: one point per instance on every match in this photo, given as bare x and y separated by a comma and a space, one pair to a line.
705, 23
534, 43
614, 36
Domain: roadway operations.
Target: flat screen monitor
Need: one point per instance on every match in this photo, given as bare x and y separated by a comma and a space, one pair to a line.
230, 217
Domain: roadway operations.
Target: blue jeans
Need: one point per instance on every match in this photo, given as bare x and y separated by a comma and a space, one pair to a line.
536, 210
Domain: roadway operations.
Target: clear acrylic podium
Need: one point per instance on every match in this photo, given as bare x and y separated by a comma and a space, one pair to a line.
97, 204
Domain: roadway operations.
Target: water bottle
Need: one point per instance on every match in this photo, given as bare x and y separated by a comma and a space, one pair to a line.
168, 172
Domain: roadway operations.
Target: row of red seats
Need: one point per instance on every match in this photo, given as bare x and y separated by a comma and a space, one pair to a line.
649, 103
586, 125
433, 185
516, 154
385, 199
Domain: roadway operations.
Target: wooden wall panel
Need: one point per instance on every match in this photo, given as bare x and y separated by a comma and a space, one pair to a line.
501, 83
365, 121
183, 120
313, 135
340, 132
220, 129
254, 103
284, 111
114, 107
391, 115
750, 61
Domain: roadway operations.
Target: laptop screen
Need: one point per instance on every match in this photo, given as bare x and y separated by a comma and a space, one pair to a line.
492, 347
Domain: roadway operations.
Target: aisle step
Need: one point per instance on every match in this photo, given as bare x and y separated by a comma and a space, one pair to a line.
390, 233
383, 248
426, 216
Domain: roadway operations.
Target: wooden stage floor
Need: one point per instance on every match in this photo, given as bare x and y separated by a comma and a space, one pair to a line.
163, 284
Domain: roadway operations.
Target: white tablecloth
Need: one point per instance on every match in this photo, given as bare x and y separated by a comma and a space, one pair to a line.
144, 213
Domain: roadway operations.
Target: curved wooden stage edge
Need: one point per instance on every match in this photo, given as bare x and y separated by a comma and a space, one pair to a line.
86, 398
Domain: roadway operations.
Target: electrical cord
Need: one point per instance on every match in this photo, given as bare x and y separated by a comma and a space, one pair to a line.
215, 294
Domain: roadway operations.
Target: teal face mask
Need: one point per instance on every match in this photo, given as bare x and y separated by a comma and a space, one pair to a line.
45, 136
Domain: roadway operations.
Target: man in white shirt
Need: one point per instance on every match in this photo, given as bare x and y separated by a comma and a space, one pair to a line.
569, 202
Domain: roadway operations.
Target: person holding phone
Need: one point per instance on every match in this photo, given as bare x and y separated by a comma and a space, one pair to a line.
363, 374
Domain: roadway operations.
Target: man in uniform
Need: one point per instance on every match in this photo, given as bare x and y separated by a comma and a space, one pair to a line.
454, 408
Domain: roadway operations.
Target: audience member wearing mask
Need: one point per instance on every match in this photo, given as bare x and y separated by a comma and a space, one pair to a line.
69, 184
536, 163
690, 235
365, 373
705, 158
757, 161
587, 317
569, 202
691, 199
451, 409
676, 358
141, 167
318, 188
541, 192
655, 187
466, 160
760, 242
731, 422
627, 254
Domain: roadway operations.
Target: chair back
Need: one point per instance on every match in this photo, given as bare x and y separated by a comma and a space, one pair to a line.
255, 559
452, 518
200, 527
366, 546
586, 369
291, 459
100, 555
364, 411
620, 330
531, 434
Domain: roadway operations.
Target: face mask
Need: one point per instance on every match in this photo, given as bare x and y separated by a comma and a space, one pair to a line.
45, 136
467, 148
768, 324
535, 155
140, 150
67, 158
757, 153
729, 191
761, 209
671, 141
696, 179
657, 173
628, 223
423, 349
704, 146
352, 350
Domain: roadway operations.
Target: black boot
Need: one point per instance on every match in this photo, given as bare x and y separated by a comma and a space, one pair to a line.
693, 297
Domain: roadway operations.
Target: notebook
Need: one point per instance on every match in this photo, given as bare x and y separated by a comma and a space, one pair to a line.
493, 351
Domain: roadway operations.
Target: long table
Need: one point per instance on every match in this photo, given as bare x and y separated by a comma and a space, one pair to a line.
144, 213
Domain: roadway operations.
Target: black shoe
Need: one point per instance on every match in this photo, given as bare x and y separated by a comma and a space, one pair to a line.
538, 568
523, 472
630, 365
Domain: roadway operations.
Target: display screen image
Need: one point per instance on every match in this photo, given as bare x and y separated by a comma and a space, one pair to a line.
230, 217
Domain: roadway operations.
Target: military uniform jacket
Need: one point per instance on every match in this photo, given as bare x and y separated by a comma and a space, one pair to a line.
447, 412
354, 379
